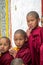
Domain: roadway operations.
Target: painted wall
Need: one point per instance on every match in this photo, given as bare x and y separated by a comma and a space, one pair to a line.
19, 9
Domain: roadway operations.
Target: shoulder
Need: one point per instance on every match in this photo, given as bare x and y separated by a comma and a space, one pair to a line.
41, 32
6, 59
37, 31
25, 50
8, 56
41, 29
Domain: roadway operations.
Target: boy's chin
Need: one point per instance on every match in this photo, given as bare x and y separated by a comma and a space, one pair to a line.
19, 46
3, 51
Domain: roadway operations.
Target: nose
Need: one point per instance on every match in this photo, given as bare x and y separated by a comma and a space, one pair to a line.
18, 41
2, 46
30, 22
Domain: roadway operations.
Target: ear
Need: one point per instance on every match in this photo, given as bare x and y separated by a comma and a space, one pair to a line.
38, 20
10, 46
26, 39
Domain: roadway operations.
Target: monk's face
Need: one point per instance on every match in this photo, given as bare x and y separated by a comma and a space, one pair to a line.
32, 22
42, 21
19, 40
4, 45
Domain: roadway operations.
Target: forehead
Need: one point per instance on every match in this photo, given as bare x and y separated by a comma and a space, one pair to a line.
31, 14
18, 35
3, 40
31, 17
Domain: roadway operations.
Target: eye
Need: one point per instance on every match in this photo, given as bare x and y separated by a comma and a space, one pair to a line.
28, 21
0, 44
5, 44
15, 39
21, 39
32, 20
42, 22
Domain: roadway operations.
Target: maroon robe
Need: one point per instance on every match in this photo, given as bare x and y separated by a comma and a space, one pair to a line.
35, 41
41, 55
6, 59
24, 54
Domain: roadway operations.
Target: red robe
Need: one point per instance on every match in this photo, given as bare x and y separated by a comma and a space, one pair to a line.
6, 59
24, 54
35, 41
41, 55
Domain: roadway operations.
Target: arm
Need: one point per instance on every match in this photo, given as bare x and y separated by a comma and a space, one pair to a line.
28, 32
13, 52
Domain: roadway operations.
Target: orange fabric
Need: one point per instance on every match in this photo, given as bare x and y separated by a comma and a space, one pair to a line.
16, 48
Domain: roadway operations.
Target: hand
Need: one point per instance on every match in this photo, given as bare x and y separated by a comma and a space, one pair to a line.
28, 32
13, 52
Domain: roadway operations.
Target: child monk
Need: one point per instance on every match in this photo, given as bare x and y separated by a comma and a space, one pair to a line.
36, 36
5, 57
20, 39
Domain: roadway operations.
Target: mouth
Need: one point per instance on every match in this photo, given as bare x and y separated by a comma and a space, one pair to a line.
2, 51
19, 46
31, 27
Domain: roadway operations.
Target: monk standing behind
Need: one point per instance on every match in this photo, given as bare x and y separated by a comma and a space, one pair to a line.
41, 48
36, 36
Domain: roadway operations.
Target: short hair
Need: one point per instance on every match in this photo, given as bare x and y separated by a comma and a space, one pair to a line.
33, 13
8, 40
17, 61
21, 32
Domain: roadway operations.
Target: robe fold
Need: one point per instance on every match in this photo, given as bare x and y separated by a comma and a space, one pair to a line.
24, 54
35, 41
5, 59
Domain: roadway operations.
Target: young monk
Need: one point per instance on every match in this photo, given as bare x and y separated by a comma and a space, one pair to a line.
41, 55
17, 61
41, 48
5, 57
36, 36
20, 39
